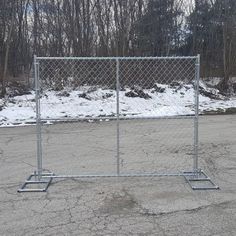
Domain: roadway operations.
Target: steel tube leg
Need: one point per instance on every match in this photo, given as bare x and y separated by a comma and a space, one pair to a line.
196, 117
38, 119
118, 115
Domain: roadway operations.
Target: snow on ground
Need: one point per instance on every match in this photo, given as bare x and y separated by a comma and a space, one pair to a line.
162, 100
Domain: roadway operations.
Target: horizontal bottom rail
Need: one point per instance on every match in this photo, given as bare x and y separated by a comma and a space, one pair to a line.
120, 175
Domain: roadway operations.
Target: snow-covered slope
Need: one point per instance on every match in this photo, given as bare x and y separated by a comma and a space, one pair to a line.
162, 100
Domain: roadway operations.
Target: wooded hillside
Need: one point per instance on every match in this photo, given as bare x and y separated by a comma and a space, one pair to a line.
118, 28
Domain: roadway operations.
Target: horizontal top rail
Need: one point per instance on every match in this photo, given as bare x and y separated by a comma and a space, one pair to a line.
115, 58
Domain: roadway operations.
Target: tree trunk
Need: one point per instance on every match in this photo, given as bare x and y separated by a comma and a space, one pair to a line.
223, 86
4, 77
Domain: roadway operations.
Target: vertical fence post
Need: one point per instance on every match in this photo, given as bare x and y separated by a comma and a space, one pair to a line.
38, 118
118, 115
196, 117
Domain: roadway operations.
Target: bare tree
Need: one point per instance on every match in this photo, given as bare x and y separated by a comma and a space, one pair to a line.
118, 27
7, 45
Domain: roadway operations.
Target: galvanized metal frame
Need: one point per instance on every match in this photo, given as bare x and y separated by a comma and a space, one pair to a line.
39, 177
38, 119
118, 116
196, 117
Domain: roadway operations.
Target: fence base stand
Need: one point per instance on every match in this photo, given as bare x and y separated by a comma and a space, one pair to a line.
41, 185
202, 180
199, 181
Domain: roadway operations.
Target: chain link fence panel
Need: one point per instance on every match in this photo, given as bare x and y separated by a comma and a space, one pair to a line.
117, 116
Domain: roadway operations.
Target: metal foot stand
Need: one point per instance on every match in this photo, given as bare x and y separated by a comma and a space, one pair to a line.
199, 181
39, 184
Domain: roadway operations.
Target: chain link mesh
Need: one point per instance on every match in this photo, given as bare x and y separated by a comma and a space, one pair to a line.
82, 98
